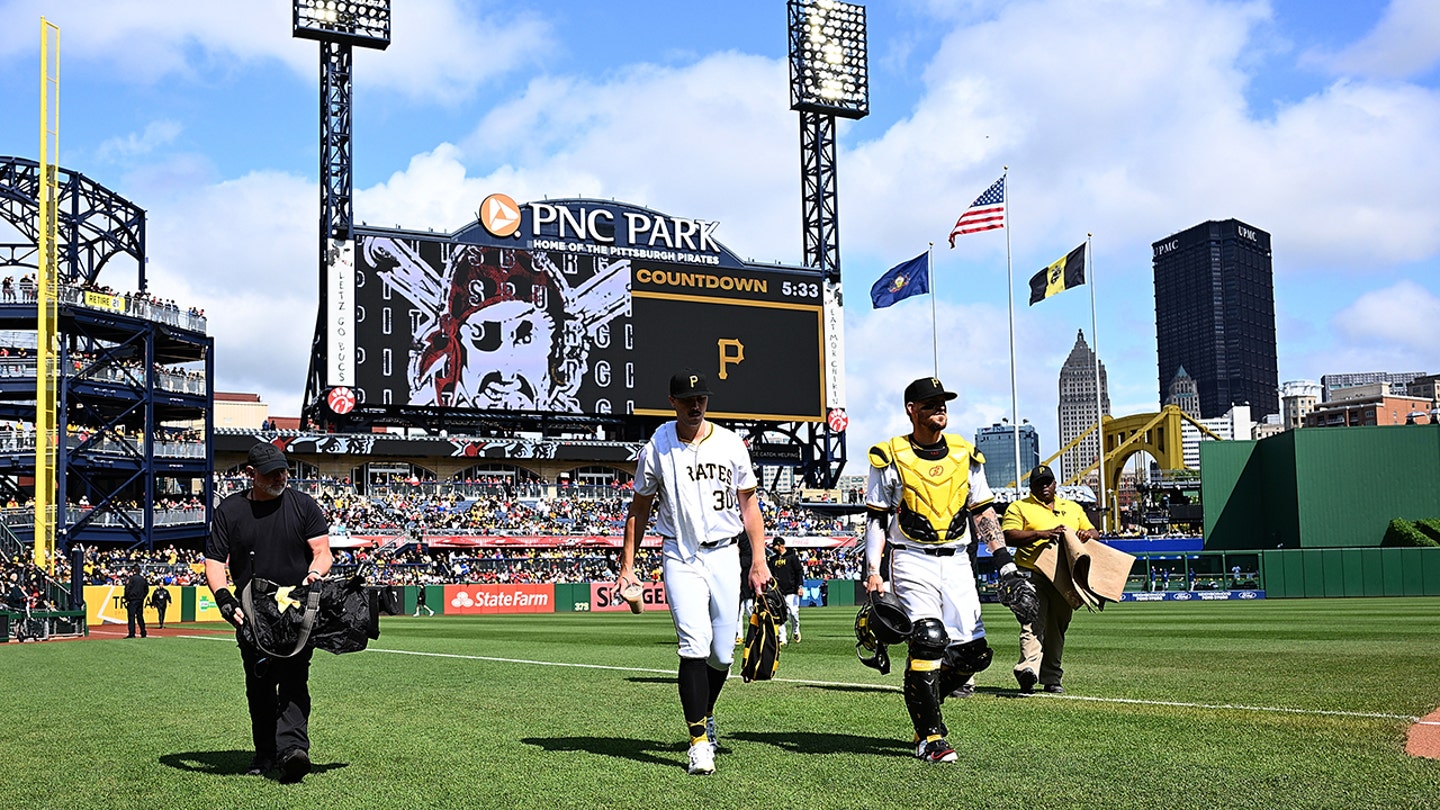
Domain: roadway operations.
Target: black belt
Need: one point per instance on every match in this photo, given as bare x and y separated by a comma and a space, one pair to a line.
724, 542
933, 552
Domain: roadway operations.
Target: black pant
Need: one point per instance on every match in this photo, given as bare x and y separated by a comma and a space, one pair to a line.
135, 614
160, 609
278, 693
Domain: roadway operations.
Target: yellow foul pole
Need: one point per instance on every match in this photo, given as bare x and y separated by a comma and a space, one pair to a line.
47, 189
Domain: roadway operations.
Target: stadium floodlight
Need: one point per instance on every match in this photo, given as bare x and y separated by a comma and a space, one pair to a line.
363, 23
829, 71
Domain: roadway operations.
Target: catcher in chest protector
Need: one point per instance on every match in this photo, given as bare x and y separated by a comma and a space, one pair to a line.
701, 476
924, 490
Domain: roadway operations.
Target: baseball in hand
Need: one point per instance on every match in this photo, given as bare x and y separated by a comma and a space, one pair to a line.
635, 595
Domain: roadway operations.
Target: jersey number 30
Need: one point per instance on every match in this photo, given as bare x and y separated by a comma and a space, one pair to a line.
724, 499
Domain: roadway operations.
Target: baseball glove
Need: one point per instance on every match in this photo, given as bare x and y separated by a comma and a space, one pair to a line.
1017, 593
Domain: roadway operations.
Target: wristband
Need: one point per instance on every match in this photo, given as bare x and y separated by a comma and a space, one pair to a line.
317, 574
224, 599
1002, 556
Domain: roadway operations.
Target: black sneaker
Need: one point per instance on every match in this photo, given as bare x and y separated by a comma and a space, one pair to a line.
1026, 678
964, 690
1054, 689
260, 765
294, 766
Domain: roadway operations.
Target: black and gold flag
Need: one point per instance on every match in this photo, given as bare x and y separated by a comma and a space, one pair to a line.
1059, 277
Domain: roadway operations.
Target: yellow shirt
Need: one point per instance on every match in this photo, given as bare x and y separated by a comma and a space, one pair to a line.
1032, 515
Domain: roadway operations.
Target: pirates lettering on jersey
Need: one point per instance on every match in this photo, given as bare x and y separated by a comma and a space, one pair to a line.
711, 472
933, 508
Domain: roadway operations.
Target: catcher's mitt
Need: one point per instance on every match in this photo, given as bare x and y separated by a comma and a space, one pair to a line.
761, 657
1017, 593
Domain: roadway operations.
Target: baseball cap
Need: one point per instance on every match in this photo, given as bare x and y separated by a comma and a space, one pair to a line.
267, 458
779, 541
1041, 473
689, 383
927, 388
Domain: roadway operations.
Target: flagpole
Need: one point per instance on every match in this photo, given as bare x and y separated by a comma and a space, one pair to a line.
934, 324
1010, 287
1099, 394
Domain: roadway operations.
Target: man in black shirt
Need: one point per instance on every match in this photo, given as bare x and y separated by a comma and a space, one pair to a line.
160, 599
136, 589
281, 535
790, 579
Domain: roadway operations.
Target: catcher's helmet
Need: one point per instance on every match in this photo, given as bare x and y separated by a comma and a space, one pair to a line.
888, 619
880, 622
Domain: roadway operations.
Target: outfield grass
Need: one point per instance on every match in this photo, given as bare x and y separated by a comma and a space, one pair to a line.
1268, 704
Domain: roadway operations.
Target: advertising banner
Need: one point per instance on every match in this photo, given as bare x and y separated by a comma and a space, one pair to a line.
604, 598
517, 598
1189, 596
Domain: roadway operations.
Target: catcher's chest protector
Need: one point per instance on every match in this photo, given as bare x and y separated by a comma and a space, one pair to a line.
932, 509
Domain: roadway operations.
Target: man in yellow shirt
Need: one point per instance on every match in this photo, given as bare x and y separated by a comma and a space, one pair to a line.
1030, 525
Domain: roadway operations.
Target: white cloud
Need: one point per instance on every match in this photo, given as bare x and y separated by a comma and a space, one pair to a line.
1404, 43
1403, 315
440, 49
156, 134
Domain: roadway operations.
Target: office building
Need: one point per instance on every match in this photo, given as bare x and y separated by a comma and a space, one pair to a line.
1215, 316
1396, 382
1297, 399
997, 444
1184, 394
1077, 408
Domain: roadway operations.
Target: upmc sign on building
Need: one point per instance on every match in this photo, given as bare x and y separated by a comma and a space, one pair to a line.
582, 307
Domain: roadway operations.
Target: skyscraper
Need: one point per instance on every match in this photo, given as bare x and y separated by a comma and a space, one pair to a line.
1183, 393
1077, 407
997, 444
1215, 315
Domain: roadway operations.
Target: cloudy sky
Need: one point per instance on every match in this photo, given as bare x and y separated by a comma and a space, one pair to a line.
1316, 120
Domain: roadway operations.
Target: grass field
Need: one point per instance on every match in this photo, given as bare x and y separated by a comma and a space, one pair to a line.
1268, 704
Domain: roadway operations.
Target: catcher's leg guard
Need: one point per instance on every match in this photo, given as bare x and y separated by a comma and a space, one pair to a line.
922, 676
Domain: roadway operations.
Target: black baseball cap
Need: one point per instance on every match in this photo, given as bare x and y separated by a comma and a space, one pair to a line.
266, 458
779, 541
689, 383
927, 388
1041, 473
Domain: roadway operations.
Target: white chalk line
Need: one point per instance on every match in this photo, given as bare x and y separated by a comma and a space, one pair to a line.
885, 687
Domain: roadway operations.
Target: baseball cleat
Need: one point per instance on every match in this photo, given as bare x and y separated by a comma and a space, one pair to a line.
702, 759
797, 636
712, 733
964, 690
937, 750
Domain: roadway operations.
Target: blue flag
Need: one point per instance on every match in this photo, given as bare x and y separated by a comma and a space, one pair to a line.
902, 281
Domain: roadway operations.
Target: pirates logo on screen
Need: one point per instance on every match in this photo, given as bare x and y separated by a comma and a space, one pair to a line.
512, 334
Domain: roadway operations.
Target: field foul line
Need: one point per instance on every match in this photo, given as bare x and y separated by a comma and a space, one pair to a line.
804, 682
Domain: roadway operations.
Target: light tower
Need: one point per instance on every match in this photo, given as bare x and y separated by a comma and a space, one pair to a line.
829, 77
338, 25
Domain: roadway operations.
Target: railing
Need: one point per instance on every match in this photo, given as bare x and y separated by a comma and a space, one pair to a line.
26, 368
17, 441
131, 305
123, 518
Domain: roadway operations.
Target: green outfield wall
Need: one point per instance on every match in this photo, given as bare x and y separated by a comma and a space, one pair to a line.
1318, 488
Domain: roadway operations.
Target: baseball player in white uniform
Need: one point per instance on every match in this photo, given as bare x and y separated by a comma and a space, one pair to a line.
702, 477
924, 490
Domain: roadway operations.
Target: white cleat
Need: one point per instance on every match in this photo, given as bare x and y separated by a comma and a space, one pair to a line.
702, 759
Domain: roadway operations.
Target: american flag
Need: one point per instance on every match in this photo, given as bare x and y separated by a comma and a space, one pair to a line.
985, 214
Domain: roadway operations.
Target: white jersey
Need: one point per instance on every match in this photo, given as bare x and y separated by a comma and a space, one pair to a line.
697, 484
